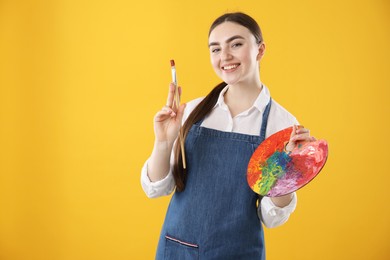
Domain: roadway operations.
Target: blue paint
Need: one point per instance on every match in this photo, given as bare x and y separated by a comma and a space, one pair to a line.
273, 169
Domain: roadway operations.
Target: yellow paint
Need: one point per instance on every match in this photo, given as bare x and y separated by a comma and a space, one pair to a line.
257, 185
81, 80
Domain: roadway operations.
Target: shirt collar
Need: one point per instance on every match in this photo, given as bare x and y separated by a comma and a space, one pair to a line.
221, 98
263, 99
260, 103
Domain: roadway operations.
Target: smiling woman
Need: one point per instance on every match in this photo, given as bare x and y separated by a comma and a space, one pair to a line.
213, 214
81, 82
235, 57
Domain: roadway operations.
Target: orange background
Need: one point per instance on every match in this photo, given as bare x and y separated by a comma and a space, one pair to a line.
81, 80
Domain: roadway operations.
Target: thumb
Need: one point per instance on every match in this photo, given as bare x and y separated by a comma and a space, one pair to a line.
293, 132
289, 146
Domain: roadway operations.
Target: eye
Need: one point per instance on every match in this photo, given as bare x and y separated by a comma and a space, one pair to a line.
215, 50
236, 45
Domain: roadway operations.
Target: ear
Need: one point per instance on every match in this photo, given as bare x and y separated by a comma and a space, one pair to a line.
261, 51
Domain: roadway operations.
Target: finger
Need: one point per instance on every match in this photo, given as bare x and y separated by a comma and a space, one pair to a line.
164, 114
176, 102
171, 95
302, 130
294, 129
170, 111
166, 108
166, 111
301, 137
180, 111
179, 94
161, 116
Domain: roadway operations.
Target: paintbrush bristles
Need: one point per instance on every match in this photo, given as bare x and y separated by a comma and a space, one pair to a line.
172, 63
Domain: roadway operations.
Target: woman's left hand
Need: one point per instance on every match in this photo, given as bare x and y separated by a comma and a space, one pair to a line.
299, 135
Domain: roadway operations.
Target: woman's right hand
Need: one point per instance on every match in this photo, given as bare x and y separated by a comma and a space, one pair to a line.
167, 121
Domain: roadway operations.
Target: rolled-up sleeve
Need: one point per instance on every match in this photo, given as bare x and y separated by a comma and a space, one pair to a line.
273, 216
158, 188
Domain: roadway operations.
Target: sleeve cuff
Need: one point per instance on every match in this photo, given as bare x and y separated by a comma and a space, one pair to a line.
271, 209
159, 188
272, 215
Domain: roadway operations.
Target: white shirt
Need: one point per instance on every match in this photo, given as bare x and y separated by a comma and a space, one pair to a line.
248, 122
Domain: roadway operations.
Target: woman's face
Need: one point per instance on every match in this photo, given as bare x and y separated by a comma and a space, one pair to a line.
234, 53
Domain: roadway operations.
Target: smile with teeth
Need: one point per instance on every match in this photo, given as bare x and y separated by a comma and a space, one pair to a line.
230, 67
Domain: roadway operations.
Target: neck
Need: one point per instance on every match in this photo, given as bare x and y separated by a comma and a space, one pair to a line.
244, 92
241, 97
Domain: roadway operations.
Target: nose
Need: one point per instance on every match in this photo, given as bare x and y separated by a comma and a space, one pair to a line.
225, 54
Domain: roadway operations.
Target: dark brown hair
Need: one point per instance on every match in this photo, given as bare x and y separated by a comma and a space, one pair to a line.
207, 104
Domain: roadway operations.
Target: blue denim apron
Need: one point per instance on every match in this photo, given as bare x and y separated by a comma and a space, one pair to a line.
215, 217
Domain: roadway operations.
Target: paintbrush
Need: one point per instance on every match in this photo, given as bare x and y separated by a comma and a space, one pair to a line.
177, 101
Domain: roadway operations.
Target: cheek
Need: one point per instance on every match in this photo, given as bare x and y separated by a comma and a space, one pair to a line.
249, 55
214, 63
249, 61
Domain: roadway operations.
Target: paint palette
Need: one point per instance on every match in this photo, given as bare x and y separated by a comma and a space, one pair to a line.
273, 172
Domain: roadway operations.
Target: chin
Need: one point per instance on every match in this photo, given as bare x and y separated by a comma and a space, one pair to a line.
231, 81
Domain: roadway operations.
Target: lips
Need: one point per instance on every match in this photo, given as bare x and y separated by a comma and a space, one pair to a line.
230, 67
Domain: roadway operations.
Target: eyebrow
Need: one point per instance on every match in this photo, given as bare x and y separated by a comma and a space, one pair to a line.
228, 40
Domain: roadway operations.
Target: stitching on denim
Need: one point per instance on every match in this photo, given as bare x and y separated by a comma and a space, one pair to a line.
181, 242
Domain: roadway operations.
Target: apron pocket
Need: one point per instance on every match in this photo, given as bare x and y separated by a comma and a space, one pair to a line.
179, 249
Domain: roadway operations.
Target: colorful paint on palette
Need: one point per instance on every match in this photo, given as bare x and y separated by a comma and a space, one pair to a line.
273, 172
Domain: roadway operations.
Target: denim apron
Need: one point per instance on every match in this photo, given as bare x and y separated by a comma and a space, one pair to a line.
215, 217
